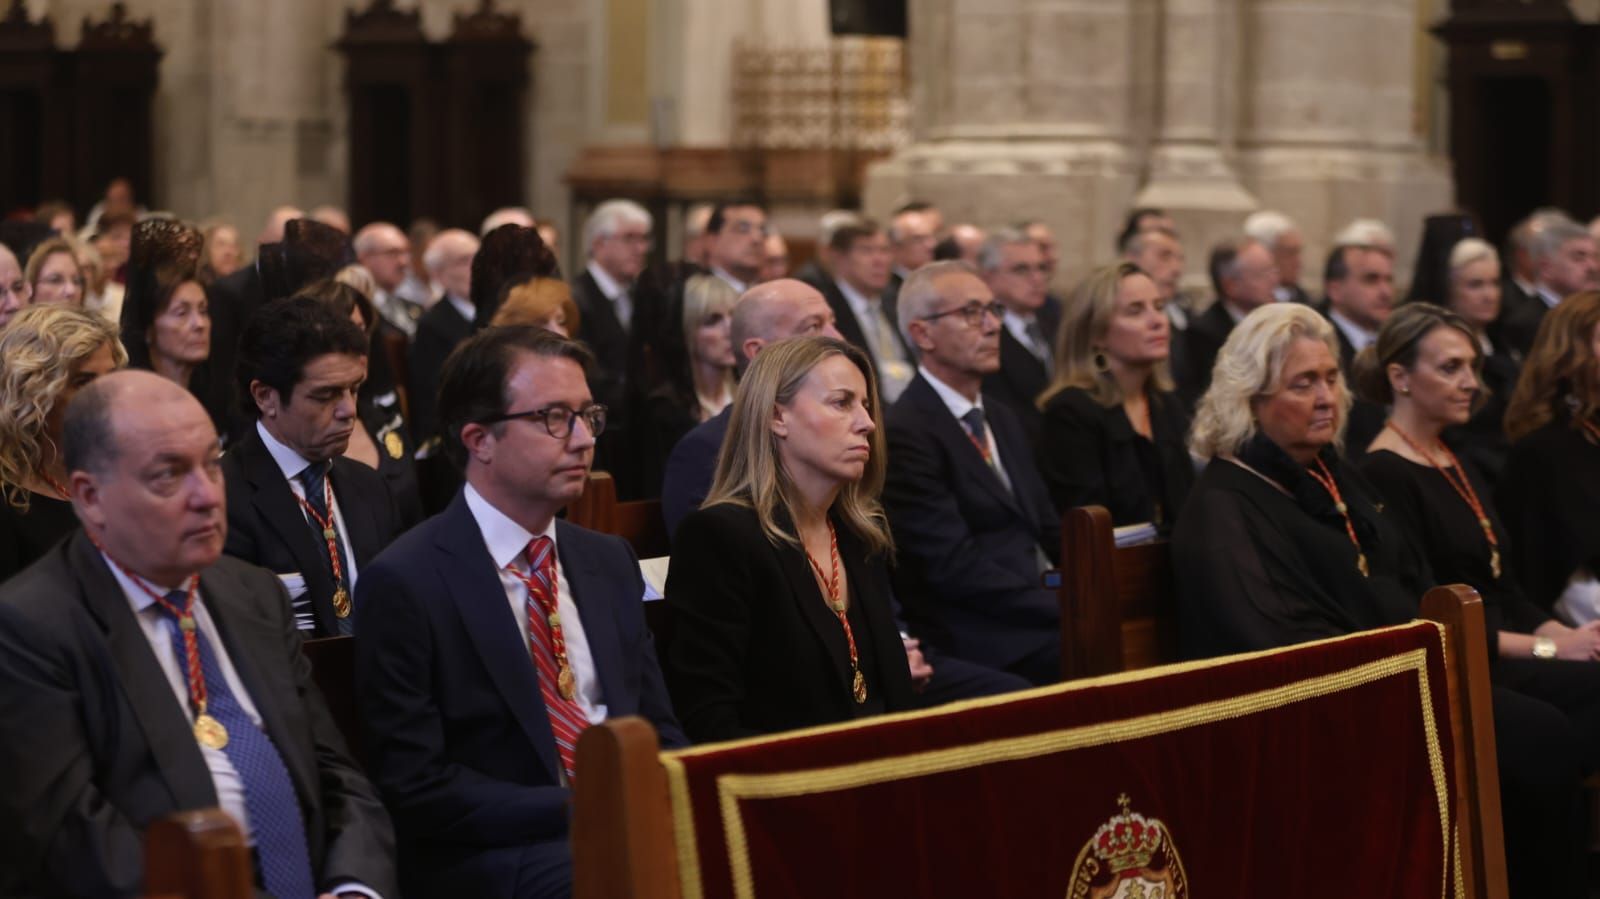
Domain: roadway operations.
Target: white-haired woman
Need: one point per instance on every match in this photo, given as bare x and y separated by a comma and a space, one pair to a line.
1280, 542
1475, 296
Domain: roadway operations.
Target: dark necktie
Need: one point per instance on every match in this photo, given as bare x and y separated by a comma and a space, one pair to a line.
314, 478
269, 797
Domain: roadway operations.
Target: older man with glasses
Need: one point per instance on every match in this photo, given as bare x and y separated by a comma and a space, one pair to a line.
1014, 266
972, 520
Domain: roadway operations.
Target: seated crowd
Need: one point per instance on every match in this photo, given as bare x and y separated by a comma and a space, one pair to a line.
863, 470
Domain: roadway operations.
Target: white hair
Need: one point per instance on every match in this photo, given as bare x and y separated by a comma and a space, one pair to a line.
506, 215
920, 294
1365, 233
366, 239
447, 243
1467, 251
991, 255
611, 215
1268, 226
1249, 365
1557, 229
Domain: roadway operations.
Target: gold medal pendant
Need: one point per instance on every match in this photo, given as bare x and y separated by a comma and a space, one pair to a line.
341, 602
392, 443
210, 732
859, 687
1494, 563
329, 533
566, 683
1361, 565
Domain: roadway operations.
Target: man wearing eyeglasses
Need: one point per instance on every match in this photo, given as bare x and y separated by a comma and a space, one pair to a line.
1014, 266
973, 523
617, 235
738, 231
15, 291
492, 634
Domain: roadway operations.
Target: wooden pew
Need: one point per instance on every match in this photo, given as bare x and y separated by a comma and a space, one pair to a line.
625, 845
333, 664
197, 855
639, 522
1118, 605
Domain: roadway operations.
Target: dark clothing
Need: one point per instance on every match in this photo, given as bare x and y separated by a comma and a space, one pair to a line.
599, 327
969, 547
691, 467
95, 746
755, 647
230, 302
1258, 569
268, 527
438, 332
387, 427
667, 420
1548, 496
1482, 440
1296, 294
1022, 377
1202, 340
1520, 326
1366, 417
27, 536
461, 743
1090, 454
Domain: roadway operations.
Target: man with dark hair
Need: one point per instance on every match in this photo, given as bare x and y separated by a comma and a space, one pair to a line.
1144, 218
860, 254
737, 231
296, 506
1359, 284
148, 675
1244, 275
492, 634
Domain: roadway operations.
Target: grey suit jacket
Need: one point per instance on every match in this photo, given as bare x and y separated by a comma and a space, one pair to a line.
94, 746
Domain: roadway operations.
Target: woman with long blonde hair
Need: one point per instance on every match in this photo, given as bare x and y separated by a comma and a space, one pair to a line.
47, 354
780, 583
1112, 431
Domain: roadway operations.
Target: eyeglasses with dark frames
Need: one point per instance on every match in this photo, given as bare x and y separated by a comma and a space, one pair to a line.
558, 419
972, 313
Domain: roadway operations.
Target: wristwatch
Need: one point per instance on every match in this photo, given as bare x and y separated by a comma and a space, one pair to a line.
1544, 648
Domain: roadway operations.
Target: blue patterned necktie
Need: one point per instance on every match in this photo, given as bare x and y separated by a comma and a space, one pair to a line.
313, 478
269, 797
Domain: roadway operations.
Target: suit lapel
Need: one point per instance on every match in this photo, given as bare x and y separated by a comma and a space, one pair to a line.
1014, 456
589, 586
476, 590
275, 503
361, 527
805, 592
959, 443
1022, 368
165, 724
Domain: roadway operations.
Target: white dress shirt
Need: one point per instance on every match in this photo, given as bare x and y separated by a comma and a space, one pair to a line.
1550, 298
621, 303
291, 464
464, 307
738, 286
1359, 337
1018, 326
507, 543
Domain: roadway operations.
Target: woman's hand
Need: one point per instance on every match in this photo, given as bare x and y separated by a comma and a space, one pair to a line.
1579, 644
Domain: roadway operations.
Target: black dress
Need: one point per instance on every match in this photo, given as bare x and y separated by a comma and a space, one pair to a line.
1549, 499
1259, 569
25, 536
383, 421
755, 648
1089, 454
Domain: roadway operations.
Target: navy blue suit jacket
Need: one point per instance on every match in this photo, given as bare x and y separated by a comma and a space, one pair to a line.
968, 571
691, 467
461, 745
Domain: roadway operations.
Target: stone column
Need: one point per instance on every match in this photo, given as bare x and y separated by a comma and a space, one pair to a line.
1330, 128
1022, 109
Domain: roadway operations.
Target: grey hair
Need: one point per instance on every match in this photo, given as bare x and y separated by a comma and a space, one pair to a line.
1557, 230
1365, 233
1250, 365
366, 239
1467, 251
442, 245
1268, 226
611, 215
920, 293
990, 255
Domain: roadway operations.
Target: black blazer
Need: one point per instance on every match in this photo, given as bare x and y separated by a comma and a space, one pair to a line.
267, 527
459, 739
1366, 417
438, 332
396, 452
94, 746
1520, 326
850, 328
755, 648
1548, 494
230, 302
1090, 454
1202, 340
1022, 377
967, 547
600, 328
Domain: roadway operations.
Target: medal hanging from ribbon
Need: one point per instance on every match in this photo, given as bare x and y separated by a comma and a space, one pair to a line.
830, 583
1323, 476
546, 600
330, 534
1456, 477
207, 730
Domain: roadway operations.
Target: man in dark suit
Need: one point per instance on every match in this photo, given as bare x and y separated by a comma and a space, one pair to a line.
146, 675
1565, 262
972, 520
1159, 254
1014, 267
736, 234
1359, 282
492, 633
860, 254
618, 238
1243, 273
289, 485
913, 233
446, 323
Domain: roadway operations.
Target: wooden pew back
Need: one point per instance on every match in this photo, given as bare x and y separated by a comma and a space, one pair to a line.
197, 855
639, 522
1118, 605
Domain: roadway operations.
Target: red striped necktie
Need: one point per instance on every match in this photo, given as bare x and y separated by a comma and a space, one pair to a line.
548, 647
